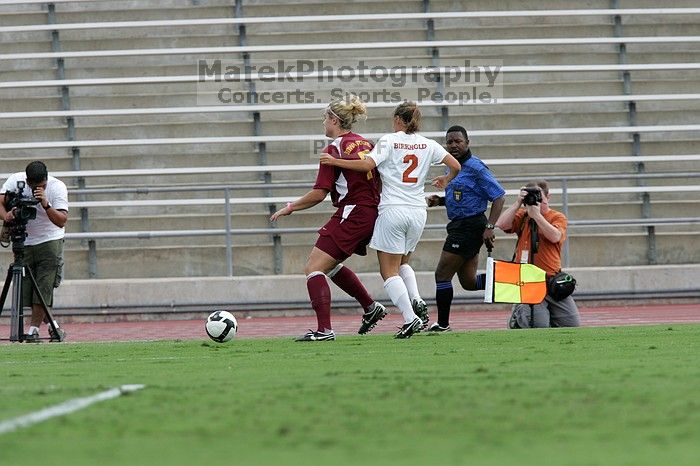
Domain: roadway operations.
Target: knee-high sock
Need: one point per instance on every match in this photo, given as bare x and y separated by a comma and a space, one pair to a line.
480, 281
320, 295
443, 296
396, 289
349, 283
409, 278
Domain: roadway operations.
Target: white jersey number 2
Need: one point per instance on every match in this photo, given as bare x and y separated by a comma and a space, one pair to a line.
412, 160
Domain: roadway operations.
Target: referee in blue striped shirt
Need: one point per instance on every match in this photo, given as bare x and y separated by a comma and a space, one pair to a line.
466, 199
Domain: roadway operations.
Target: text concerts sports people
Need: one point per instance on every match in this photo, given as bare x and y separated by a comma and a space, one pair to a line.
356, 196
403, 159
43, 252
466, 199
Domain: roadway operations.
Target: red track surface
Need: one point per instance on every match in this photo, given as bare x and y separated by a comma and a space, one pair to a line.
257, 327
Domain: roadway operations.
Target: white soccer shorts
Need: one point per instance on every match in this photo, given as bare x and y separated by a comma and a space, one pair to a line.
398, 229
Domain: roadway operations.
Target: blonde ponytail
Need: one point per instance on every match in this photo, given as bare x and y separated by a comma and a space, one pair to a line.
347, 110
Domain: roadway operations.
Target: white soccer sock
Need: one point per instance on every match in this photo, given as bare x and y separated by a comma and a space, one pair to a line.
409, 278
396, 289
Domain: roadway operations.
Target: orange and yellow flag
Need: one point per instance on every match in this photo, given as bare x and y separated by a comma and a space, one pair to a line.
509, 282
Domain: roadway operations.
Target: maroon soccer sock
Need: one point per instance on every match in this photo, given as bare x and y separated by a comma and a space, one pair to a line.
320, 294
348, 282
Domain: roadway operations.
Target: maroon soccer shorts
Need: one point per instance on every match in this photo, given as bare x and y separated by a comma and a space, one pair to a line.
347, 232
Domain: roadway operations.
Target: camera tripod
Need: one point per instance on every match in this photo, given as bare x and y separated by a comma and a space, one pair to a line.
15, 273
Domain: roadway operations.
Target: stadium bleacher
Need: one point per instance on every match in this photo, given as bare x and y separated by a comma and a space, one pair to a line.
110, 97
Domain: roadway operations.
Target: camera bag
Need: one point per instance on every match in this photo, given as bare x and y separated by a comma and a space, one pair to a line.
561, 285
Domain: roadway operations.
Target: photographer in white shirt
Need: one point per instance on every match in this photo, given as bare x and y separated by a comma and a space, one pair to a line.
43, 246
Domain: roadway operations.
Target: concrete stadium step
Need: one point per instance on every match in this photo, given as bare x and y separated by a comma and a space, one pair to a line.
335, 7
148, 41
328, 33
504, 31
19, 14
680, 54
18, 127
184, 129
36, 94
26, 44
48, 133
241, 128
28, 65
30, 103
26, 74
140, 10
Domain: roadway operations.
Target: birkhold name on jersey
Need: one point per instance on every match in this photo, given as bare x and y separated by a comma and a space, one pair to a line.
399, 145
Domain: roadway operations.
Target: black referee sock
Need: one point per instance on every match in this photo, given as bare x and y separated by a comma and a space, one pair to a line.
443, 297
480, 281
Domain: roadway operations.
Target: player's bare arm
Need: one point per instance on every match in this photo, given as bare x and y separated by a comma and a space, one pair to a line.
306, 201
441, 182
363, 165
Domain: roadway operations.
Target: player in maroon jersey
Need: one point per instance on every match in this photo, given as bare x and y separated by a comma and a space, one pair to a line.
356, 196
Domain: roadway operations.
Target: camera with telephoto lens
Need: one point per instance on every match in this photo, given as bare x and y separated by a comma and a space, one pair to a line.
533, 196
25, 205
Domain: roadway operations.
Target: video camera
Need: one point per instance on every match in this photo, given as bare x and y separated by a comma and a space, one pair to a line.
25, 210
533, 196
25, 205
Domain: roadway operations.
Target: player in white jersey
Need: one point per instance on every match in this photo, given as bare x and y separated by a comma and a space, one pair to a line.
403, 160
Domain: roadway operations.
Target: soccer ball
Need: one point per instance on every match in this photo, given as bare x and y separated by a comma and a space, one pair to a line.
221, 326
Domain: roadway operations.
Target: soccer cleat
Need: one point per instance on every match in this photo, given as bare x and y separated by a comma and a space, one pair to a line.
375, 313
58, 335
317, 336
31, 337
438, 329
421, 310
407, 330
513, 321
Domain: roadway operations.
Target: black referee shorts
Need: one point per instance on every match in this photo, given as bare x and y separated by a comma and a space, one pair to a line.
465, 236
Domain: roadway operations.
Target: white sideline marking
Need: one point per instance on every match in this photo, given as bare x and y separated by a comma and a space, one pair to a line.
64, 408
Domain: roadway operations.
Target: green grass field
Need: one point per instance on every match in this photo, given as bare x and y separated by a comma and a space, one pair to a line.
590, 396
